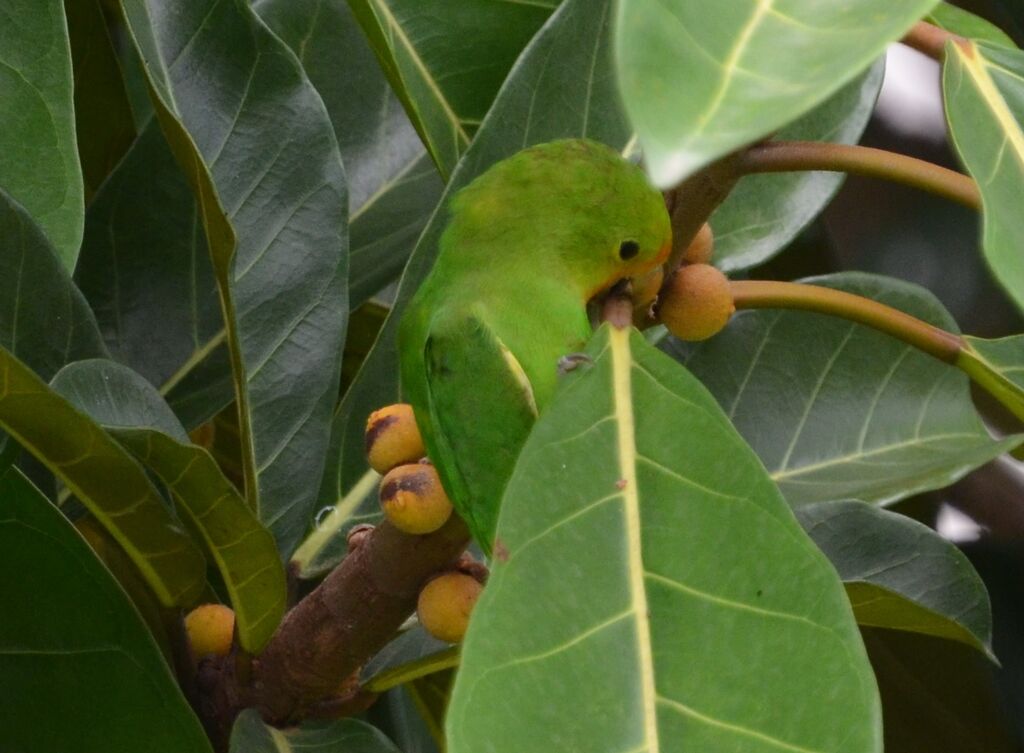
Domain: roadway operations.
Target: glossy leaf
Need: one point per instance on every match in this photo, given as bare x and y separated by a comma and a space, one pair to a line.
393, 185
983, 88
251, 735
103, 118
241, 548
105, 478
836, 410
38, 161
937, 695
698, 85
146, 271
80, 670
900, 574
257, 145
545, 97
763, 213
959, 21
589, 584
446, 62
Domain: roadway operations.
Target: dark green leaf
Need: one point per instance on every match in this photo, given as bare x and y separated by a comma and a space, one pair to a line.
665, 652
836, 410
146, 271
38, 162
699, 84
998, 366
251, 735
983, 88
80, 670
957, 20
446, 61
103, 118
257, 145
763, 213
242, 549
393, 185
900, 574
937, 695
546, 97
105, 478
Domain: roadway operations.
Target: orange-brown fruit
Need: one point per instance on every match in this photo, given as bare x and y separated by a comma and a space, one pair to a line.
393, 438
445, 604
697, 304
210, 628
413, 499
701, 247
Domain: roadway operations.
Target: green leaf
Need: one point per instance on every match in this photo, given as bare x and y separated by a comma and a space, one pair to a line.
763, 213
105, 478
38, 161
242, 549
44, 320
937, 695
80, 670
589, 583
983, 87
257, 145
546, 97
251, 735
393, 185
446, 62
698, 85
146, 271
998, 366
900, 574
103, 118
966, 24
836, 410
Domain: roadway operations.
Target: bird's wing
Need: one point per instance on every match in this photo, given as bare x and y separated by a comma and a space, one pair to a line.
481, 408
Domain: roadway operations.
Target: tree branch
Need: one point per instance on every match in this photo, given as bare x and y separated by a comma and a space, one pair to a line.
930, 40
786, 156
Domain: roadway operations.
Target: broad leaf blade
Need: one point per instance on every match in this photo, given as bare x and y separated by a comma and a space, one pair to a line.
544, 98
959, 21
763, 213
241, 548
900, 574
983, 87
836, 410
38, 161
256, 142
997, 365
251, 735
393, 185
80, 670
613, 532
105, 478
699, 84
103, 118
146, 271
446, 62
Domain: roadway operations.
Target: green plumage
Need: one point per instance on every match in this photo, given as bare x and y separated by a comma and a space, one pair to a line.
528, 243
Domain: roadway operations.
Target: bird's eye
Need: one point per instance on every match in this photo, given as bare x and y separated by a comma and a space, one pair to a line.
628, 250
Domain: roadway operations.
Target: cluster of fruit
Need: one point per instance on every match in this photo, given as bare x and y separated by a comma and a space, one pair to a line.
697, 302
414, 501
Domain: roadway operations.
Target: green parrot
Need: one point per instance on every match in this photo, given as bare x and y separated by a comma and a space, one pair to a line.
527, 245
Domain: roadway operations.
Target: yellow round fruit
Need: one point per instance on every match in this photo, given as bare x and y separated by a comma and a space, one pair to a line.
413, 499
445, 604
697, 304
701, 247
210, 629
393, 438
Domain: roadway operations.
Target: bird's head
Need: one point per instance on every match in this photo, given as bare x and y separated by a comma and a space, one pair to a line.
572, 209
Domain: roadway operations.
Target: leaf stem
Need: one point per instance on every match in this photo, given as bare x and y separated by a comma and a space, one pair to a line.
929, 39
787, 156
752, 294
